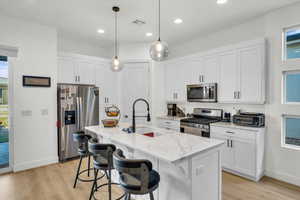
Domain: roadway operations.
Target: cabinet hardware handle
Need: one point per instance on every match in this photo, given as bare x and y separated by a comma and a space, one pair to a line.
79, 78
231, 143
230, 132
239, 95
202, 78
75, 78
227, 143
234, 95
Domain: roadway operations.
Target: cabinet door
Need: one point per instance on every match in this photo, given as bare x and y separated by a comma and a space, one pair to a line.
66, 72
86, 72
175, 82
194, 71
228, 77
244, 154
205, 177
251, 75
211, 69
227, 153
110, 86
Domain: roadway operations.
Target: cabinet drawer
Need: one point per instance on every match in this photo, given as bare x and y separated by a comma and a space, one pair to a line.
169, 124
235, 133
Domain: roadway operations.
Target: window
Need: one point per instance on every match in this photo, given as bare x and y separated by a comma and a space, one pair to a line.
291, 87
292, 43
291, 131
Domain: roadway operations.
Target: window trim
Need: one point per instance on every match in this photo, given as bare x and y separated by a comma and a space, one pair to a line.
283, 132
284, 49
284, 97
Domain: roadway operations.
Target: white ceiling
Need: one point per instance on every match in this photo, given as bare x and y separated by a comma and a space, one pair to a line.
82, 18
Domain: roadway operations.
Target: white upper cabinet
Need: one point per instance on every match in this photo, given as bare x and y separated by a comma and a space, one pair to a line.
252, 75
85, 72
75, 71
210, 69
242, 74
66, 73
175, 81
228, 81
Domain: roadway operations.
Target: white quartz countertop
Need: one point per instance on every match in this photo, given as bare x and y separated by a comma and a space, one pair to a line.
169, 145
170, 118
232, 125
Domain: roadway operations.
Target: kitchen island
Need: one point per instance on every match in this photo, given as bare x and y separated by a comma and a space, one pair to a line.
189, 166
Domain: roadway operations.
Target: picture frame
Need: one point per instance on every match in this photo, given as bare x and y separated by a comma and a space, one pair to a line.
36, 81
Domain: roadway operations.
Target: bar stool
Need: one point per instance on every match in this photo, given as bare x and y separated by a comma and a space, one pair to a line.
82, 140
103, 160
136, 176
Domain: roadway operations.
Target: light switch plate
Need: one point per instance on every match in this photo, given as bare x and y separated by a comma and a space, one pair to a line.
44, 112
26, 113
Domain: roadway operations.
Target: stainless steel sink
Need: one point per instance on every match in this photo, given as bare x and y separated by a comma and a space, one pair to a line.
146, 131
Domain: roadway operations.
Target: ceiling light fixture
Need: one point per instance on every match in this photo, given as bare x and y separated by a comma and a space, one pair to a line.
116, 65
178, 21
221, 1
159, 50
101, 31
149, 34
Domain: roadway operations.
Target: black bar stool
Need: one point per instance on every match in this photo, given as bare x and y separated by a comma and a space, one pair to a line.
103, 160
82, 140
136, 176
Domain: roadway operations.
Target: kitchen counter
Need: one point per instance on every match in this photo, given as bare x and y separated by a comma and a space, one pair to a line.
168, 145
189, 166
170, 118
232, 125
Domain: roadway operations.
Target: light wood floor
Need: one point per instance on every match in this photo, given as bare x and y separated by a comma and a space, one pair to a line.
54, 182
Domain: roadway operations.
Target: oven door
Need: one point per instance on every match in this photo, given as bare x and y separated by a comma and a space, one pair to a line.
202, 93
194, 131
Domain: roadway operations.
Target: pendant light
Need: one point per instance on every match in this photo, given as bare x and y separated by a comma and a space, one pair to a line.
159, 50
116, 65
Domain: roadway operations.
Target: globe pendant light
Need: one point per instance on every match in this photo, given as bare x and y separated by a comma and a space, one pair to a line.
116, 65
159, 50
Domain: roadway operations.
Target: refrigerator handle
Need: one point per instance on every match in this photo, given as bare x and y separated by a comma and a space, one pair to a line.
78, 113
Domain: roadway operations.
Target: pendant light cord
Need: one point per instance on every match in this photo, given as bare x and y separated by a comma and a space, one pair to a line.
158, 20
116, 35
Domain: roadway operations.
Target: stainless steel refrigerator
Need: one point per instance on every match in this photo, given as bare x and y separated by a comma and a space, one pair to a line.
78, 106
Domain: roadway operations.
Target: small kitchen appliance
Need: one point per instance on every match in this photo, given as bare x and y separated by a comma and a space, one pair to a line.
249, 119
199, 124
206, 92
172, 110
227, 117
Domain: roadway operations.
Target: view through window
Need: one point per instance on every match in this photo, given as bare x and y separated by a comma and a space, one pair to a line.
4, 133
292, 43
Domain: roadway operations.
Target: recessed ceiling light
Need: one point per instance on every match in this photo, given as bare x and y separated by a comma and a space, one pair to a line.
149, 34
178, 21
221, 1
101, 31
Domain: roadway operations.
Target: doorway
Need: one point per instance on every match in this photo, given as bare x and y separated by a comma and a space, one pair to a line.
135, 82
4, 115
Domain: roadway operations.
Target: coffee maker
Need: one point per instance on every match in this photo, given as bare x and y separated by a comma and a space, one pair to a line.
172, 110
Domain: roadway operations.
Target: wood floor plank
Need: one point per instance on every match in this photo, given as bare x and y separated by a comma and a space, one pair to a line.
55, 182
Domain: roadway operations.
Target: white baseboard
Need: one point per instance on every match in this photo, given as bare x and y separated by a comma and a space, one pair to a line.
34, 164
283, 177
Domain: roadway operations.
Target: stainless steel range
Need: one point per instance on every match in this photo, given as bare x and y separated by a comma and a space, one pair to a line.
199, 124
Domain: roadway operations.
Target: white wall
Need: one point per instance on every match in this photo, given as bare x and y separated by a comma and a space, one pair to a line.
281, 163
138, 51
78, 46
35, 136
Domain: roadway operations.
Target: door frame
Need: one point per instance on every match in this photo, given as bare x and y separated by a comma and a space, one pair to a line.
137, 61
11, 63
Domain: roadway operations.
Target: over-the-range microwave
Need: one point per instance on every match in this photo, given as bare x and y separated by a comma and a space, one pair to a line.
206, 92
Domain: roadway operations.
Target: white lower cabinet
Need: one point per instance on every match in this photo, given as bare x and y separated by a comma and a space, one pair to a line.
243, 151
169, 124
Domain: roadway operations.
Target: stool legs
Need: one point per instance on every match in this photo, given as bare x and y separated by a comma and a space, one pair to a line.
94, 187
151, 196
89, 165
109, 184
77, 174
128, 196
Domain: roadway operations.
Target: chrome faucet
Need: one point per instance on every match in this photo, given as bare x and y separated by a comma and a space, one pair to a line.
133, 113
